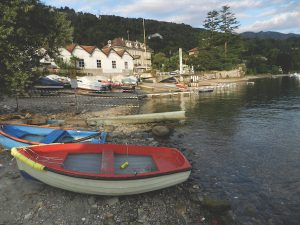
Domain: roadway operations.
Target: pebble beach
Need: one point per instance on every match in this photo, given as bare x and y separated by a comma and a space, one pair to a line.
27, 202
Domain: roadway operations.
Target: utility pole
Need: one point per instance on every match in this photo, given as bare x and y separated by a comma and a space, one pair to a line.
180, 61
180, 64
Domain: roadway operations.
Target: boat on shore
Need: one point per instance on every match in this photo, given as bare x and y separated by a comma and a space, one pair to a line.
24, 135
205, 89
90, 83
103, 169
181, 85
45, 81
295, 75
139, 118
66, 81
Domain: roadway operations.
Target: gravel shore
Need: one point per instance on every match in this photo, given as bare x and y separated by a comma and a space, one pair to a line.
27, 202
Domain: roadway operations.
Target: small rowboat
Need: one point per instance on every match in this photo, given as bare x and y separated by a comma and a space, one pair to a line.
24, 135
205, 89
103, 169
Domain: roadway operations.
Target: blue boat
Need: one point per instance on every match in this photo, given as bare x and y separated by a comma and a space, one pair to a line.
25, 135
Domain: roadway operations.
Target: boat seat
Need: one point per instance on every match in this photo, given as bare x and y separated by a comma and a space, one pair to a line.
161, 163
107, 163
53, 136
14, 132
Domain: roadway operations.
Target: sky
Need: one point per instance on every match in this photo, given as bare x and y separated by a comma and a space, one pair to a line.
254, 15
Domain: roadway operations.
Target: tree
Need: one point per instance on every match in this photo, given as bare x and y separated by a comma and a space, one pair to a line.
212, 23
284, 60
159, 61
28, 31
172, 63
228, 23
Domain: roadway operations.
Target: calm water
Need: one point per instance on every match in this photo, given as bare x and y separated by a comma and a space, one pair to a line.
247, 144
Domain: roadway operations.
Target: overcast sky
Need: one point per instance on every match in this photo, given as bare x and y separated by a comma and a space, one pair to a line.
253, 15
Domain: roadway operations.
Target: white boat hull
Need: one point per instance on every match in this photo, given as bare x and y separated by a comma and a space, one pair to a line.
88, 83
104, 187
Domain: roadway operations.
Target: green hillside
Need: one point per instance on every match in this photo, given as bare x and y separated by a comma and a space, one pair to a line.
269, 35
92, 30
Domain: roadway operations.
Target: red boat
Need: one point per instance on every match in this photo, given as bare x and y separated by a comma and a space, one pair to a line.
103, 169
180, 85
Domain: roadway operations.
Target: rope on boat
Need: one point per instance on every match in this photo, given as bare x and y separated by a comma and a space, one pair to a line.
43, 159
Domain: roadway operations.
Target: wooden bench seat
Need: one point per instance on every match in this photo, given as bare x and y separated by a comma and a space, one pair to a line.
107, 164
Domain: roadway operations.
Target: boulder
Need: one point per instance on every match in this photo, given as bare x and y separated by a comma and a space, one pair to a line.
216, 205
76, 122
38, 120
161, 131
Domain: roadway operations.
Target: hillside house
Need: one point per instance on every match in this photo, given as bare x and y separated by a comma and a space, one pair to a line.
193, 51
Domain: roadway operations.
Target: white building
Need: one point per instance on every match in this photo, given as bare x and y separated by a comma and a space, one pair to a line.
95, 61
140, 52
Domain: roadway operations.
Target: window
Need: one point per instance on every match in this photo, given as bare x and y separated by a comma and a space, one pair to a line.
98, 63
81, 63
114, 64
126, 65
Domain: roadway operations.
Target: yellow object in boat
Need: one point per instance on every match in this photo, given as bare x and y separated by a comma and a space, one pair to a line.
27, 161
124, 165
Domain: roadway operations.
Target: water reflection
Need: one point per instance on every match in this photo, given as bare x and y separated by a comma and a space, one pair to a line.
246, 140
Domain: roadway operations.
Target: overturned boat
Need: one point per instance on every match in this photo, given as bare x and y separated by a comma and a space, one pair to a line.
90, 83
24, 135
103, 169
205, 89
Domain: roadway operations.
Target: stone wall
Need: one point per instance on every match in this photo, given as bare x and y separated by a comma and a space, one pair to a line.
228, 74
208, 75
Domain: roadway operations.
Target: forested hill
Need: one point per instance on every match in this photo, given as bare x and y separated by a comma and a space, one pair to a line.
269, 35
92, 30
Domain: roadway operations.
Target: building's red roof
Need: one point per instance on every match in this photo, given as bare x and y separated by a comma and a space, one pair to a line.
121, 52
89, 48
106, 51
71, 47
118, 42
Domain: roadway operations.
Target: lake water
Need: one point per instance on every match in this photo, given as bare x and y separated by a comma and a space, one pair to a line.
246, 140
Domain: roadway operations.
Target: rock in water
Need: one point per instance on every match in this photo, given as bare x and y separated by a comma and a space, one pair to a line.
216, 205
161, 131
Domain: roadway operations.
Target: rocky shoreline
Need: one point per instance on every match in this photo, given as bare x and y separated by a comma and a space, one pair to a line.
27, 202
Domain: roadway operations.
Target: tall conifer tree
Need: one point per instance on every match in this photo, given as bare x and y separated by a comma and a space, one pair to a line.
228, 23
